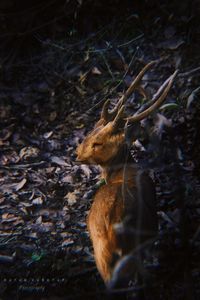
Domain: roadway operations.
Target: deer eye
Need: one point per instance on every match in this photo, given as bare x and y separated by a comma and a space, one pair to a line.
97, 145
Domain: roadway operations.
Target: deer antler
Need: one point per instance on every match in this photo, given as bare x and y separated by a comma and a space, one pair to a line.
118, 117
163, 91
108, 116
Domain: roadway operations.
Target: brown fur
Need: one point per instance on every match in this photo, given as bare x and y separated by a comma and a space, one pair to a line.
116, 199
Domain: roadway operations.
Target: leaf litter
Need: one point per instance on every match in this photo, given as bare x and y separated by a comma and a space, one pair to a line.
45, 197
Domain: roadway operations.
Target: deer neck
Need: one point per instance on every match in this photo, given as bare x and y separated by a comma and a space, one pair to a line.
114, 167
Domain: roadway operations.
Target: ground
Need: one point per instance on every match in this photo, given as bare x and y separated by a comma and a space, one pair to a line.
49, 100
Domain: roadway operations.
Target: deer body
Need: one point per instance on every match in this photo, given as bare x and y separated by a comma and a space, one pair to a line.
111, 203
128, 194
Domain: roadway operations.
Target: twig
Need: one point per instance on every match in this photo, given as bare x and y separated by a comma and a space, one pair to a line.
186, 74
166, 218
131, 41
24, 166
99, 104
107, 65
5, 259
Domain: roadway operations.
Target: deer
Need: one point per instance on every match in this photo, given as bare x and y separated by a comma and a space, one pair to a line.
128, 193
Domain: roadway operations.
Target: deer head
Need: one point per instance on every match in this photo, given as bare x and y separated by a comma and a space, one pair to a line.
103, 143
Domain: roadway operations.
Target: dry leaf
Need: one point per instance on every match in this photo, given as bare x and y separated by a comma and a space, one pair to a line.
19, 221
37, 201
6, 133
71, 198
67, 242
139, 145
65, 234
7, 218
96, 71
86, 170
80, 90
59, 161
193, 96
45, 227
19, 186
39, 220
29, 152
160, 124
2, 199
67, 179
48, 134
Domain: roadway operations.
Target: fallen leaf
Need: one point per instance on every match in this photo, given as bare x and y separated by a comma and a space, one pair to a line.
81, 224
45, 227
172, 44
96, 71
19, 221
168, 106
6, 133
80, 90
37, 201
65, 234
25, 204
193, 96
79, 126
71, 198
61, 224
67, 242
67, 179
29, 152
86, 170
160, 123
19, 185
59, 161
39, 220
24, 210
2, 199
139, 145
7, 218
5, 259
48, 134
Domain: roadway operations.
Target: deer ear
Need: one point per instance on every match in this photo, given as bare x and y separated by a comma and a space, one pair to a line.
104, 112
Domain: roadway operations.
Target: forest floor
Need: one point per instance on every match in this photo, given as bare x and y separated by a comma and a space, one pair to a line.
48, 102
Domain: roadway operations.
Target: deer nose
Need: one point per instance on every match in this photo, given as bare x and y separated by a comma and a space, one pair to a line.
78, 161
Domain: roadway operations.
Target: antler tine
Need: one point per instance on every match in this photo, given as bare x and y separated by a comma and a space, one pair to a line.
133, 86
107, 116
118, 117
156, 104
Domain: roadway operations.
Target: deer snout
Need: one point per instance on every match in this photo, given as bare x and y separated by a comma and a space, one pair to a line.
78, 161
